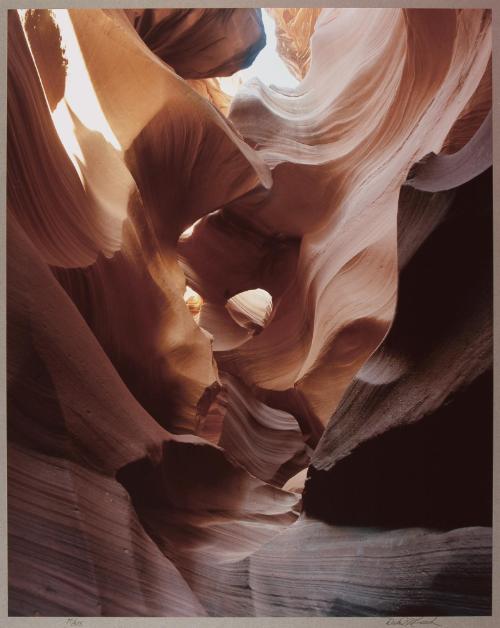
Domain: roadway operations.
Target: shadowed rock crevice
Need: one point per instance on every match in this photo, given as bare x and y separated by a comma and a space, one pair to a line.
435, 473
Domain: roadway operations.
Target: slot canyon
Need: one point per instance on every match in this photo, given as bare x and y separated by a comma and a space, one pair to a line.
249, 324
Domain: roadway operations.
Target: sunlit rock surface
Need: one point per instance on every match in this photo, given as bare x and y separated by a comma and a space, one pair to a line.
249, 337
294, 28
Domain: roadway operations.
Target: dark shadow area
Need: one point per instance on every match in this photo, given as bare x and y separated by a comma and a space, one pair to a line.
436, 472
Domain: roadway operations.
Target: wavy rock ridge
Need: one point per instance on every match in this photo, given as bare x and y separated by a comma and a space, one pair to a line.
249, 338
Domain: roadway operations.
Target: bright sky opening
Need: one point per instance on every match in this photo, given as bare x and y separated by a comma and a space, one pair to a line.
268, 66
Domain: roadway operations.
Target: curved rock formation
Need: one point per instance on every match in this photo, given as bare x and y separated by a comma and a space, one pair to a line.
249, 339
201, 43
333, 171
294, 28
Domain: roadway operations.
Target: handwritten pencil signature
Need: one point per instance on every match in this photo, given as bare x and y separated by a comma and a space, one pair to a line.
412, 621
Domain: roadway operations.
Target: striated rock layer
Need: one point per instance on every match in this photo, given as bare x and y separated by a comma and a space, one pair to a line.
249, 339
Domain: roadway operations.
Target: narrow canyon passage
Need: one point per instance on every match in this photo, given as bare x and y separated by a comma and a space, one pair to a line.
249, 312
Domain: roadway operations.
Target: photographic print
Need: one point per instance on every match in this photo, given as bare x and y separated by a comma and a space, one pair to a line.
249, 312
